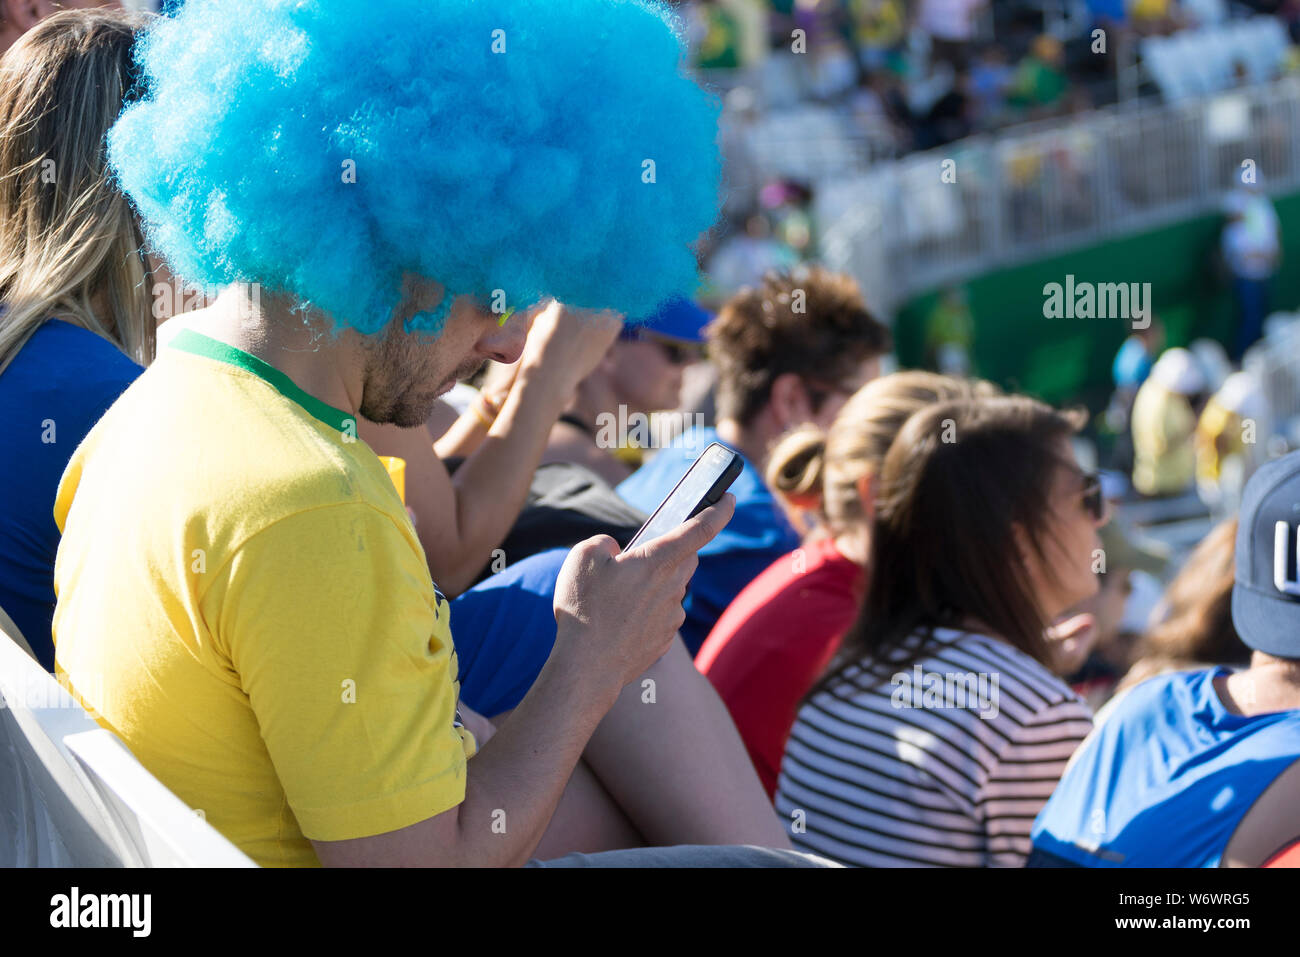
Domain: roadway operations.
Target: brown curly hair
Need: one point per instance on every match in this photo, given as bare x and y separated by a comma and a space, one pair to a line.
808, 321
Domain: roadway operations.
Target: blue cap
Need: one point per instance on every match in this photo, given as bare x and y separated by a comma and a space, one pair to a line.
1266, 592
678, 318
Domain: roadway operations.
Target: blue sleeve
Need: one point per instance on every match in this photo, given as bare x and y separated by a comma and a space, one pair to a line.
53, 392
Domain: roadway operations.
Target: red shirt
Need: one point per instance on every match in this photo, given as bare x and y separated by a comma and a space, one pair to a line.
774, 641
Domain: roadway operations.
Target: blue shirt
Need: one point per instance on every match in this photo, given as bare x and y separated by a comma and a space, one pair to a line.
757, 535
54, 390
1108, 10
1165, 780
1132, 364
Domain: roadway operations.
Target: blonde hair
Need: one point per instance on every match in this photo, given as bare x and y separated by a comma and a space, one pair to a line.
70, 245
819, 471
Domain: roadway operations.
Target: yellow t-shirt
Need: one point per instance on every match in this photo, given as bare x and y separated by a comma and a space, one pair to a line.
1164, 456
243, 600
1218, 436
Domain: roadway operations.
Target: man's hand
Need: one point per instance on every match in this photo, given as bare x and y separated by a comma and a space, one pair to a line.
617, 613
567, 344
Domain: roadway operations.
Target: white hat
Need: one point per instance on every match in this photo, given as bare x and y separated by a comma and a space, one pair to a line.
1178, 371
1242, 394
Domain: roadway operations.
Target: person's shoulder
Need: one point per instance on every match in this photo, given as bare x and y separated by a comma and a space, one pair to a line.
1166, 693
1049, 690
802, 591
70, 373
224, 444
815, 568
63, 350
765, 596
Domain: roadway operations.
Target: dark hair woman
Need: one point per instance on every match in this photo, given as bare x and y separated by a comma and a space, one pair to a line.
941, 730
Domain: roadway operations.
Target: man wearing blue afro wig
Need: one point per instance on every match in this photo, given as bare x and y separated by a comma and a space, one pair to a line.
243, 598
326, 148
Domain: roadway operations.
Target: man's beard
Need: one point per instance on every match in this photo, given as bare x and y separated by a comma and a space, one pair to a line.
402, 393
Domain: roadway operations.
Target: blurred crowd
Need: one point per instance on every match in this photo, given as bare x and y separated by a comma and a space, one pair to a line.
857, 83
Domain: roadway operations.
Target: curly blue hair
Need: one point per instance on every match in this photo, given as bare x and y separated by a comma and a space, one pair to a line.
325, 148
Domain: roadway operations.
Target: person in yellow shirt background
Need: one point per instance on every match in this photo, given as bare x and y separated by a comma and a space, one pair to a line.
1164, 425
1231, 442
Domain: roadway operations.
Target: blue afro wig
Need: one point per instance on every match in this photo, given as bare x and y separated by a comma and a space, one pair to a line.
324, 148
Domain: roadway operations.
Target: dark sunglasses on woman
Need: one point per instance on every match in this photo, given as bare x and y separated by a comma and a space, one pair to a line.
678, 353
1093, 500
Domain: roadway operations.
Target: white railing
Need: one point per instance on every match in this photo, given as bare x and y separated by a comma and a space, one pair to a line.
908, 225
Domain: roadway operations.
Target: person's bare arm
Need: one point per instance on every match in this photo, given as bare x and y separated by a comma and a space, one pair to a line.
461, 438
441, 419
1272, 823
461, 519
462, 435
616, 614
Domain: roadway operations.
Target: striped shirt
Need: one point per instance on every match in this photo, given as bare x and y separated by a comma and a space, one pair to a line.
945, 765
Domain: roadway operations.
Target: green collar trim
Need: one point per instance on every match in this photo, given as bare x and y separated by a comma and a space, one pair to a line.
187, 340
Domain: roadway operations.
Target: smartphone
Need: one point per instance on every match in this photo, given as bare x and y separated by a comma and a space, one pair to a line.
703, 484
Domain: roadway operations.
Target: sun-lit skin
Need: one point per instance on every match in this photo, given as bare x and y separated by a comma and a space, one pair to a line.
646, 379
1065, 576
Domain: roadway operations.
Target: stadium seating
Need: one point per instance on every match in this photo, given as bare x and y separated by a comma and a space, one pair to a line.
1204, 61
72, 795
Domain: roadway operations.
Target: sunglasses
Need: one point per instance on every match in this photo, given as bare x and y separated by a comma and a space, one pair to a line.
1094, 502
678, 353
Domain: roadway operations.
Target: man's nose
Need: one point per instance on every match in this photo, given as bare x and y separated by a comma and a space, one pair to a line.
506, 344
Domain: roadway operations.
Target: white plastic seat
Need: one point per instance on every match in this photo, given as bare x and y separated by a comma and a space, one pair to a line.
72, 795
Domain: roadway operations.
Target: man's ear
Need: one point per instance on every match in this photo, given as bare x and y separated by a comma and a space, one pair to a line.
789, 401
